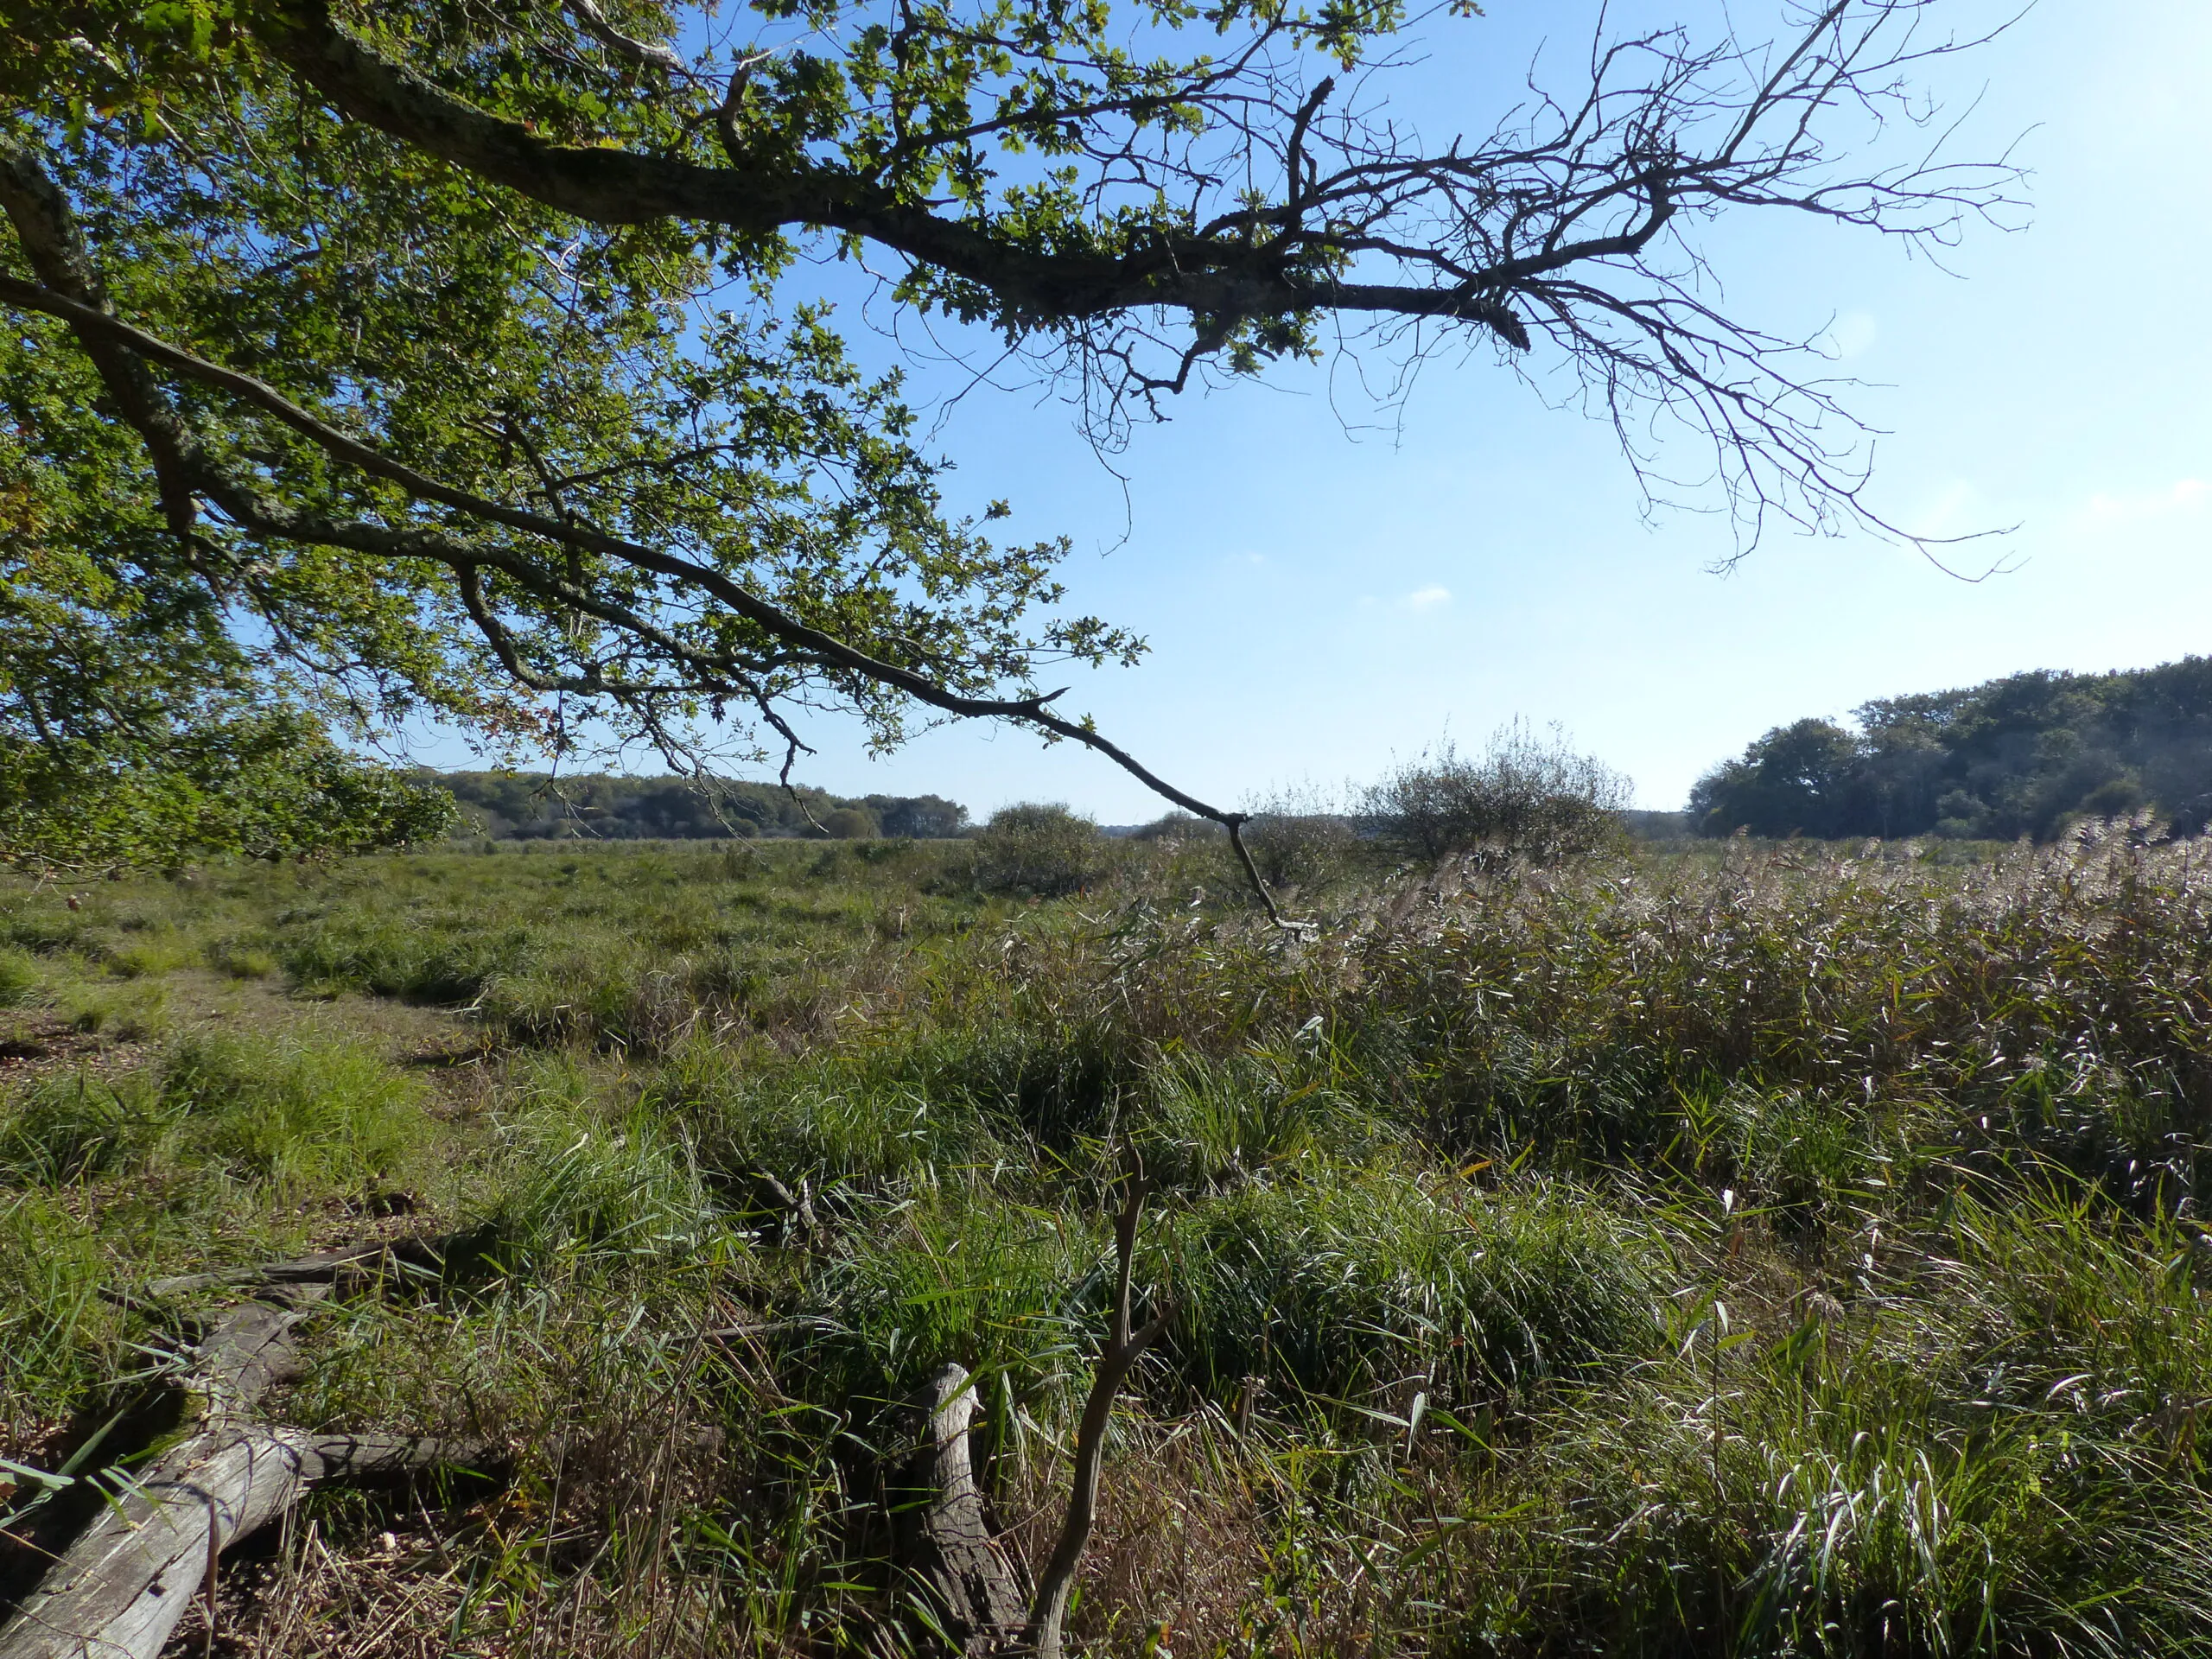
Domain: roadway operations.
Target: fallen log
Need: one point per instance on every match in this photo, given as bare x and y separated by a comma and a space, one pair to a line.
124, 1585
425, 1256
119, 1590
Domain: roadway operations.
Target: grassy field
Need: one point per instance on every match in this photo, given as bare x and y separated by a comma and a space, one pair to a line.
1727, 1250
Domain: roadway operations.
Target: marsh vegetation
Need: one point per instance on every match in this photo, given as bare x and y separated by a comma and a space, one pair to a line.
1728, 1249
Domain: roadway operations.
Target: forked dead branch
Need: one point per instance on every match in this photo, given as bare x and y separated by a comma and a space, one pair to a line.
973, 1585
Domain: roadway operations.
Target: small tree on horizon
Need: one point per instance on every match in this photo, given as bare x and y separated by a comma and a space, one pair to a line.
1039, 849
1524, 796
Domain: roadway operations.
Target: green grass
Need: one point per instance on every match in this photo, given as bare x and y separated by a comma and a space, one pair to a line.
1368, 1286
19, 977
60, 1344
1722, 1251
1964, 1470
284, 1115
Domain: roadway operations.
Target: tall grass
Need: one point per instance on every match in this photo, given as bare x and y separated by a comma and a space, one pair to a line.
1379, 1286
1970, 1471
60, 1344
1756, 1251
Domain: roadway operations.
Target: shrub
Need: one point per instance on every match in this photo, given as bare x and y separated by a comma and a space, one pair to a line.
1298, 839
1525, 798
1179, 826
1306, 851
1037, 850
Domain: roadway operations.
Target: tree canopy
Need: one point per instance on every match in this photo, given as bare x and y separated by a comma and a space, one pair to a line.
2026, 755
434, 359
134, 734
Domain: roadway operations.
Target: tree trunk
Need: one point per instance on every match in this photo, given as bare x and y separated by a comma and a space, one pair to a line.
945, 1540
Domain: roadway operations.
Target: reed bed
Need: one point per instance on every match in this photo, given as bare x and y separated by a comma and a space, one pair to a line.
1734, 1251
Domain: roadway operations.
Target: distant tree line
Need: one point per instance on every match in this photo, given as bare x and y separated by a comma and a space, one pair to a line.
532, 806
2026, 755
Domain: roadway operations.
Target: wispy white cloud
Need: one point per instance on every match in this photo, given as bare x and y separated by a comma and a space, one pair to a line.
2182, 496
1423, 599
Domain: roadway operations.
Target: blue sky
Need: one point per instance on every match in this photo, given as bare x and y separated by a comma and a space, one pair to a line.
1319, 602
